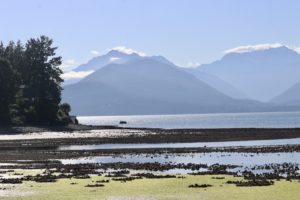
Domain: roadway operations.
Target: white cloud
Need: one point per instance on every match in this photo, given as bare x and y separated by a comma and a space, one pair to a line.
113, 59
188, 65
126, 50
73, 74
297, 49
95, 52
250, 48
67, 64
192, 64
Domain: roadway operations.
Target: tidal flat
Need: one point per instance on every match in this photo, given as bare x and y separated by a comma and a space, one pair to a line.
116, 163
178, 187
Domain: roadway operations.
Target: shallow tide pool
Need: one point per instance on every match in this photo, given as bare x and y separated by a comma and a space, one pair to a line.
244, 159
183, 145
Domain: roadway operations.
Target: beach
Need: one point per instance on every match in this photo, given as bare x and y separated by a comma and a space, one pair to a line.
110, 162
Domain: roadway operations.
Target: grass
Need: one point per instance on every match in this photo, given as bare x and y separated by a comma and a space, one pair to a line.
167, 188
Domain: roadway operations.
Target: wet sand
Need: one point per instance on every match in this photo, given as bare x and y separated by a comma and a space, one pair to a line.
80, 134
45, 143
30, 149
45, 153
39, 129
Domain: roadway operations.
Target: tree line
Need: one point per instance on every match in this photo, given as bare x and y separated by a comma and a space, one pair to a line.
30, 84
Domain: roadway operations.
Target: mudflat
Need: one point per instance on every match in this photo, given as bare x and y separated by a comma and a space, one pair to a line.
32, 167
110, 134
44, 144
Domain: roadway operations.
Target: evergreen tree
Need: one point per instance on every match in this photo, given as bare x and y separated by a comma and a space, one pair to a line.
42, 86
30, 90
8, 90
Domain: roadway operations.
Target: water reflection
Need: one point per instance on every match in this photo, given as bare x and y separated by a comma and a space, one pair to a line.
183, 145
242, 159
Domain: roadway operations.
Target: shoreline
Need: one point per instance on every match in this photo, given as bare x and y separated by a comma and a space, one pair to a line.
35, 165
36, 154
45, 145
85, 135
13, 130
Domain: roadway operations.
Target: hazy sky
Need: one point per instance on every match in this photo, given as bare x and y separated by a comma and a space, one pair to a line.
184, 31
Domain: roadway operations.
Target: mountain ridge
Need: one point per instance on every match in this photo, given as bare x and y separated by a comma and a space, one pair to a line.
148, 87
261, 75
290, 97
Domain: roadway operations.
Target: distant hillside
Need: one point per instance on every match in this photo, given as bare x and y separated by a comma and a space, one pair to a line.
131, 83
289, 97
148, 87
217, 83
118, 57
260, 75
112, 56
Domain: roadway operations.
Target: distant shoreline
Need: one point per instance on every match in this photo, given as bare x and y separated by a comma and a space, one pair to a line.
84, 134
46, 144
11, 130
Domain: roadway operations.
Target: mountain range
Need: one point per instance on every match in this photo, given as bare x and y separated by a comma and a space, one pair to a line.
290, 97
117, 57
260, 75
123, 84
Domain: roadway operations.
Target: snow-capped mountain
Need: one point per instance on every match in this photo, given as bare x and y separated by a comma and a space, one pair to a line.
261, 74
147, 86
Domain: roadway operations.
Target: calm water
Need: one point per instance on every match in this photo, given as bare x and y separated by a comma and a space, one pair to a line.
245, 161
183, 145
241, 159
227, 120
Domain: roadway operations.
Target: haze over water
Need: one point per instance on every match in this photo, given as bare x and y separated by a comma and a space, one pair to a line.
225, 120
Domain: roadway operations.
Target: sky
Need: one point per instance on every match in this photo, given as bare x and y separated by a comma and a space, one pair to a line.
188, 32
